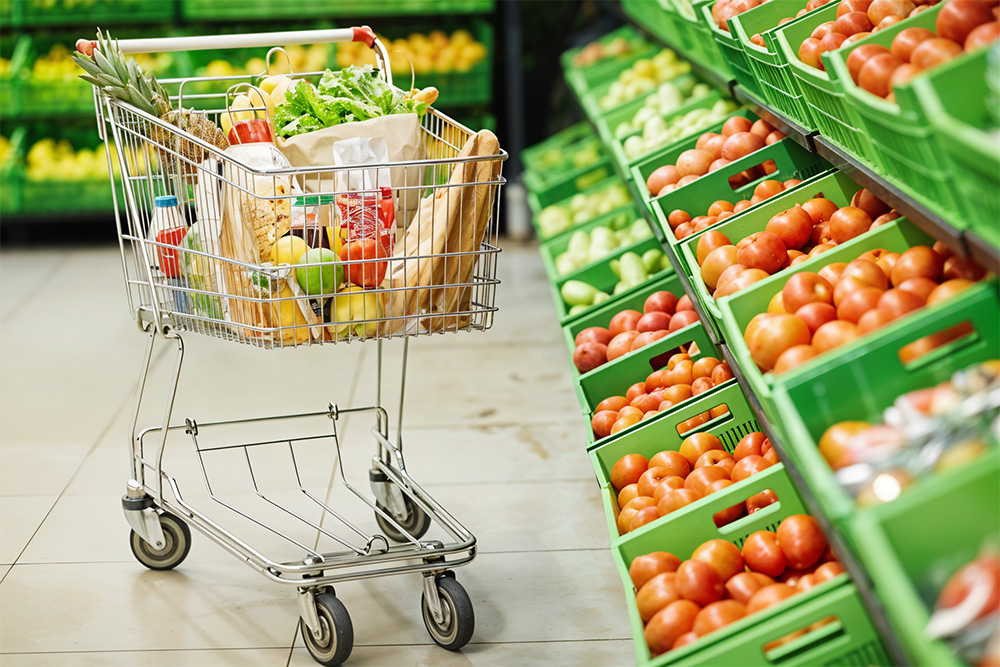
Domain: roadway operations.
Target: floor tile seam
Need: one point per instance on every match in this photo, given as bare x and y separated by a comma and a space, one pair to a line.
122, 406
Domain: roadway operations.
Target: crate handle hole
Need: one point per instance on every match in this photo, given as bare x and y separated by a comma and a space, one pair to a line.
928, 349
794, 645
708, 419
753, 174
724, 519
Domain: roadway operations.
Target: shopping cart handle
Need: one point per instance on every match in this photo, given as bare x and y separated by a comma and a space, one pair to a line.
252, 40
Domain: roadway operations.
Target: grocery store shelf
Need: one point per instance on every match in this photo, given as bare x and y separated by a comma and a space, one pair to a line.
927, 220
844, 554
709, 75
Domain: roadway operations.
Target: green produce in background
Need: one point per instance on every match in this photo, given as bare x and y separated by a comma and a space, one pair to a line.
582, 207
643, 76
631, 269
585, 248
656, 132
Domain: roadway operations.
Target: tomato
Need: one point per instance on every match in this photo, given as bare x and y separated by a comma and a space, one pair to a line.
857, 303
723, 555
685, 639
704, 367
834, 334
650, 479
682, 373
906, 40
717, 615
963, 268
833, 272
627, 470
716, 262
714, 457
642, 517
667, 485
693, 446
829, 570
793, 227
730, 514
710, 241
947, 290
752, 443
762, 554
743, 585
917, 262
700, 478
629, 511
614, 403
602, 422
699, 582
635, 390
834, 442
627, 494
675, 500
624, 321
804, 288
768, 596
656, 593
761, 500
762, 250
867, 272
672, 461
722, 373
898, 302
807, 581
749, 465
959, 17
773, 336
674, 620
801, 540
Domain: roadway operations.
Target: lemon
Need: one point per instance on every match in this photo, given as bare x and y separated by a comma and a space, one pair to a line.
288, 250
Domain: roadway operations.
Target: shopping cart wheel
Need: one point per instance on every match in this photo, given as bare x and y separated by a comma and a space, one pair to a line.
416, 522
177, 536
336, 640
459, 622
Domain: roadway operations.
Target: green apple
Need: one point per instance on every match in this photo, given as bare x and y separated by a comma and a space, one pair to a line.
319, 280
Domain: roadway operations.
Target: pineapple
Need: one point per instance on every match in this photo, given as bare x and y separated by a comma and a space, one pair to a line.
106, 68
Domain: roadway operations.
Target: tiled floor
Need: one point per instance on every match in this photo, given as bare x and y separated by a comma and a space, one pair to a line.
491, 429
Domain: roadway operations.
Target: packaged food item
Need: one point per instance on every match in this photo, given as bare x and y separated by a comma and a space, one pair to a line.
166, 216
168, 260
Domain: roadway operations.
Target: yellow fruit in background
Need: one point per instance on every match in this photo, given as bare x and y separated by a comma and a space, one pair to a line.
256, 66
462, 37
288, 249
219, 68
335, 235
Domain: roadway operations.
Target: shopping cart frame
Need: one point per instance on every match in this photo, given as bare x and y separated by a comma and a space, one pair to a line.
154, 505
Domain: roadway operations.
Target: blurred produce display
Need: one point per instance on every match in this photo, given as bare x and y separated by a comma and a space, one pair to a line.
597, 51
433, 52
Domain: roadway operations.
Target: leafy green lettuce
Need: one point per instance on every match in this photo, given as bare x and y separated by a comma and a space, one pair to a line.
350, 95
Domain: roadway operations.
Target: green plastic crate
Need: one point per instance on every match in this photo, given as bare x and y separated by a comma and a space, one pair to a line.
618, 145
950, 96
704, 49
773, 75
656, 435
614, 378
649, 14
263, 9
835, 186
850, 640
732, 52
534, 157
591, 100
829, 108
601, 314
556, 246
600, 275
641, 170
545, 189
582, 79
29, 13
603, 185
905, 142
908, 569
864, 377
737, 310
608, 123
12, 174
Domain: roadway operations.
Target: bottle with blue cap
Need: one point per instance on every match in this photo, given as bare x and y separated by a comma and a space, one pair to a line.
166, 226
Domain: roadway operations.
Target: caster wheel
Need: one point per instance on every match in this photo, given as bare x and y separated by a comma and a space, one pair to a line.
459, 618
416, 522
336, 640
177, 536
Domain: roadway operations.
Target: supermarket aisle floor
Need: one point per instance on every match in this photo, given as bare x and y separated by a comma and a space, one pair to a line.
492, 430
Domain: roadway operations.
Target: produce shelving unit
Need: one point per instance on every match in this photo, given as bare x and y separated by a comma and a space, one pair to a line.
843, 551
963, 243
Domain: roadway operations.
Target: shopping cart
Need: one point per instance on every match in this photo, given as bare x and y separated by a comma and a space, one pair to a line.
216, 277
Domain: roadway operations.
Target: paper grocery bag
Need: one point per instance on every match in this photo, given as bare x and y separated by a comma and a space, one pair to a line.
402, 136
